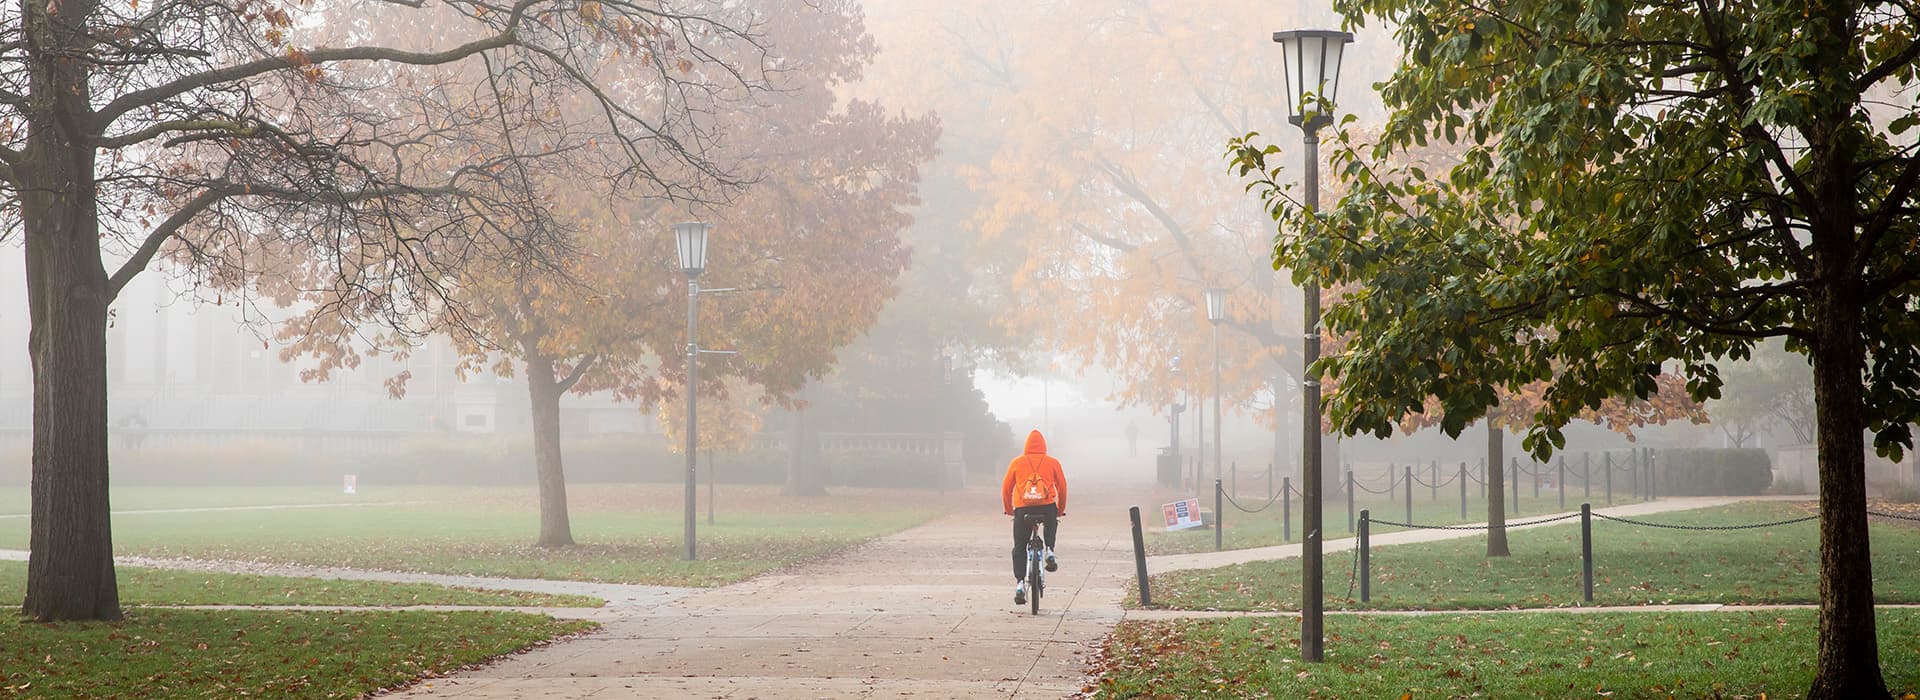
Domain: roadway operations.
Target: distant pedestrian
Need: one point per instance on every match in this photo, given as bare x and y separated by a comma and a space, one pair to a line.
1133, 439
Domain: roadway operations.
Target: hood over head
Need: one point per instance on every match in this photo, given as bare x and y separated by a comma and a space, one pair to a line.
1036, 445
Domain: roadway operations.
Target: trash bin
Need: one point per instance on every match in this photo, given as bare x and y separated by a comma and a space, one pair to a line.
1169, 468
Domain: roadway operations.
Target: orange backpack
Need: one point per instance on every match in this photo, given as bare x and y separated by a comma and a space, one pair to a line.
1034, 490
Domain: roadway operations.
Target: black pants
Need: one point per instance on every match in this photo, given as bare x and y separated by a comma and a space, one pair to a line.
1023, 529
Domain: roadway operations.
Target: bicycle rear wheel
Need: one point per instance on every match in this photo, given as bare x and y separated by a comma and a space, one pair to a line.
1035, 582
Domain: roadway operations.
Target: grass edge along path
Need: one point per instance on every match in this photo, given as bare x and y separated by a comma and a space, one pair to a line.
628, 534
1634, 565
149, 586
1538, 654
228, 653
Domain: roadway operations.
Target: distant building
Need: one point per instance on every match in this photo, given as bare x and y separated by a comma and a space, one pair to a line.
174, 363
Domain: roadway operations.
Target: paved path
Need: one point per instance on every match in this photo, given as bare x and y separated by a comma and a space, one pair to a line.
924, 613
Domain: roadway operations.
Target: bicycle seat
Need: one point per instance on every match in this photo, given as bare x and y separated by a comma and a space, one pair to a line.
1034, 517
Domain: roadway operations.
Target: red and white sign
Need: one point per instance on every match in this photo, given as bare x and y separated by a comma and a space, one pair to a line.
1182, 515
350, 484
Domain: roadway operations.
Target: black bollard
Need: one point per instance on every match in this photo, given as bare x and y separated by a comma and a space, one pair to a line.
1349, 500
1586, 550
1140, 557
1409, 478
1463, 490
1219, 514
1561, 484
1366, 563
1606, 462
1513, 475
1286, 509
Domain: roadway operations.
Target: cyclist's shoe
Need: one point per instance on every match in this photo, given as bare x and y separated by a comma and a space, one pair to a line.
1020, 594
1052, 564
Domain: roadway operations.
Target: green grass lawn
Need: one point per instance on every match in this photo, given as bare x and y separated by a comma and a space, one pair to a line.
1633, 565
626, 533
143, 586
229, 654
1515, 655
1266, 528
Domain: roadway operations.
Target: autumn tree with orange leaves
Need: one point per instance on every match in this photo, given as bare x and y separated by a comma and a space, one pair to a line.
810, 242
1086, 145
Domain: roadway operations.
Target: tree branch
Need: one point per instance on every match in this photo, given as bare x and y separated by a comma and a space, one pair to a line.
579, 370
158, 236
156, 94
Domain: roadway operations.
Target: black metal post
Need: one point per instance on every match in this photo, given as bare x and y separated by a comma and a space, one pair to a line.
1586, 551
1434, 471
1286, 509
1513, 475
1463, 490
1561, 484
1366, 563
1606, 461
1349, 499
1219, 513
1652, 481
1392, 476
1634, 463
693, 414
1586, 476
1409, 477
1140, 557
1535, 477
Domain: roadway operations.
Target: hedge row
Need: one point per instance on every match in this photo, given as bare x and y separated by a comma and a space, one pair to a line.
1702, 471
457, 458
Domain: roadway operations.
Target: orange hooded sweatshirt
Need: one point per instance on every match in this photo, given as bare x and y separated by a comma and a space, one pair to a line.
1034, 461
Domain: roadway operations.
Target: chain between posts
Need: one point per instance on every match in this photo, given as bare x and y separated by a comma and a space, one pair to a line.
1671, 526
1450, 478
1389, 489
1244, 509
1481, 526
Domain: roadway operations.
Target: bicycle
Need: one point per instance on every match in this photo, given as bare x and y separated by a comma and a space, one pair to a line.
1036, 559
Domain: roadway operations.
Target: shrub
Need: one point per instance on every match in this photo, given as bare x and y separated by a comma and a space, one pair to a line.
1744, 471
882, 468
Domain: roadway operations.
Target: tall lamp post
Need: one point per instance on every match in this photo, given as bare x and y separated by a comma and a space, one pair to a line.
1216, 312
691, 240
1310, 60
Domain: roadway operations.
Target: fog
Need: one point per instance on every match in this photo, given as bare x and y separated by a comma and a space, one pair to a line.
1059, 238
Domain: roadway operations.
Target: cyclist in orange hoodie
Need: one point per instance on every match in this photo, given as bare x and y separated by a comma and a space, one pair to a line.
1034, 484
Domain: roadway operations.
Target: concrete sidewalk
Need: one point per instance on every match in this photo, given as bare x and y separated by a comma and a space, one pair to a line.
924, 613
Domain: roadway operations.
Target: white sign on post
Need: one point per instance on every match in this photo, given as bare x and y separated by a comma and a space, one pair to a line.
1182, 515
350, 484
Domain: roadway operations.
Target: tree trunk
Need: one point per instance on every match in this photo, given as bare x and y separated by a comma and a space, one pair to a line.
1496, 491
70, 573
804, 476
1847, 663
544, 389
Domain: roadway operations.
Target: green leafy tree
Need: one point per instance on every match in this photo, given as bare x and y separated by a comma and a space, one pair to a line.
1772, 392
1646, 186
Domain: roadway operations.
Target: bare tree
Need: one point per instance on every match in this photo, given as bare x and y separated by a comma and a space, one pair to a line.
353, 152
